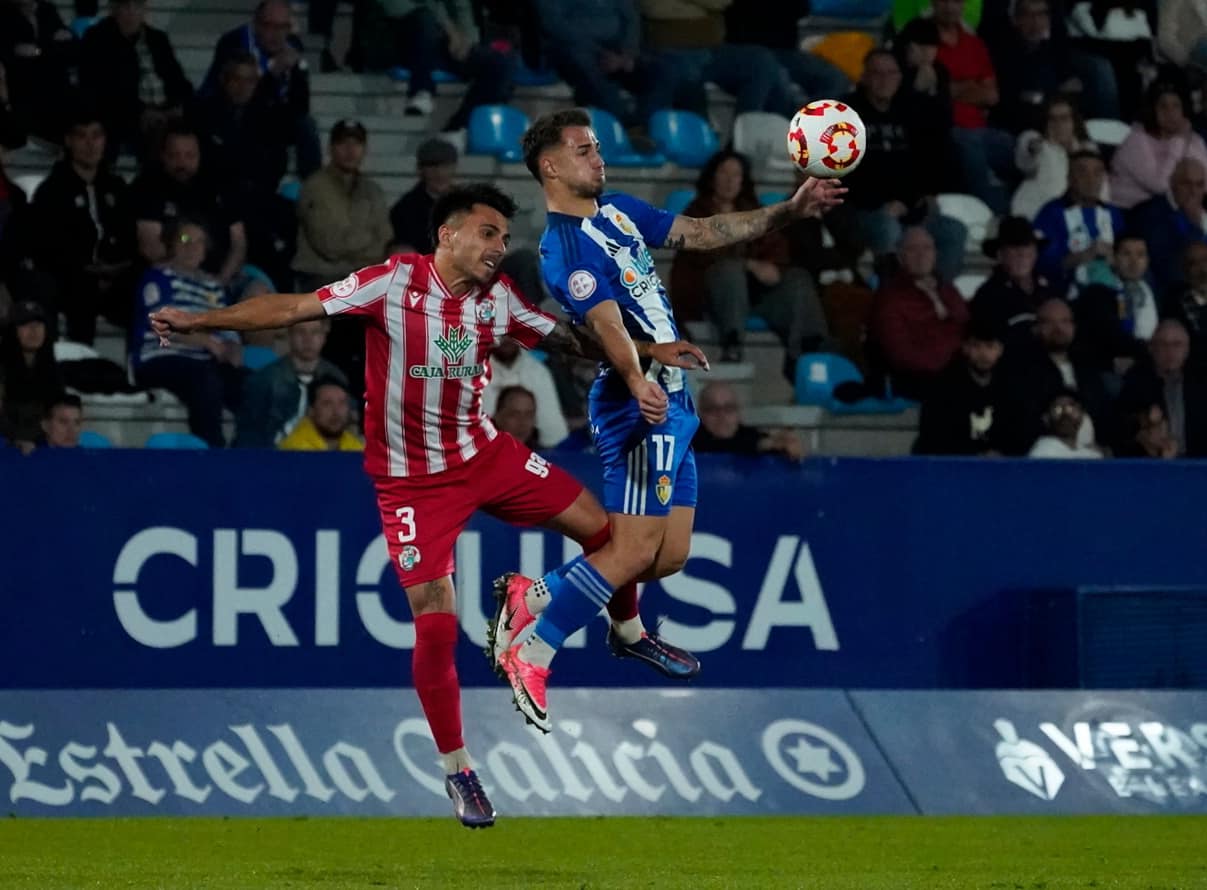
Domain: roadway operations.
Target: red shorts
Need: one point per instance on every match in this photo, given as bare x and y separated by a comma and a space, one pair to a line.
422, 516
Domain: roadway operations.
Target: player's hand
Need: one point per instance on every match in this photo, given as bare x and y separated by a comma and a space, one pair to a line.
679, 354
816, 196
166, 322
651, 399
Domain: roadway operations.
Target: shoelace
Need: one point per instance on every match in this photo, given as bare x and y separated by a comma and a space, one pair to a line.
471, 787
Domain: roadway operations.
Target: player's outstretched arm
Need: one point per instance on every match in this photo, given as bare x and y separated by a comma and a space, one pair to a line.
813, 198
606, 324
578, 341
258, 313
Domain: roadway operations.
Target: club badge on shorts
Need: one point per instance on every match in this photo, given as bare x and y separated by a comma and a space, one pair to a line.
409, 557
663, 489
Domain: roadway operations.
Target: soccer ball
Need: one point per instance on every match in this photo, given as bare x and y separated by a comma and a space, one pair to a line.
826, 139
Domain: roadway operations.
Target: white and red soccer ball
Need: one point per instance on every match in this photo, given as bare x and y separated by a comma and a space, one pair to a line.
827, 139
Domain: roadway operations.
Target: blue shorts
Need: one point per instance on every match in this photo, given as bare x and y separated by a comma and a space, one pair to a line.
646, 469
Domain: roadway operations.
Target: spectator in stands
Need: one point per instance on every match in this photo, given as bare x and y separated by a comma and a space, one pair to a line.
244, 129
1032, 65
1144, 163
1190, 305
966, 411
328, 420
984, 152
881, 200
748, 278
178, 188
924, 80
27, 366
1146, 434
410, 217
774, 24
84, 233
39, 55
1014, 290
1162, 379
1170, 222
274, 397
1037, 376
515, 367
691, 34
1063, 417
1182, 32
1119, 31
442, 34
1079, 229
60, 426
6, 429
130, 72
1043, 158
343, 221
202, 370
721, 429
595, 47
12, 127
1116, 317
917, 321
514, 413
270, 38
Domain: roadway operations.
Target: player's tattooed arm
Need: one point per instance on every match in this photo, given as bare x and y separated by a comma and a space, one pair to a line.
813, 198
579, 341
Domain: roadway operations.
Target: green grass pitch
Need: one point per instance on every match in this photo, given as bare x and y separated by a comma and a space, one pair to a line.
831, 853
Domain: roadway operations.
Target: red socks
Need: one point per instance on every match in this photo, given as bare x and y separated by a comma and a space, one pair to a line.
434, 673
623, 604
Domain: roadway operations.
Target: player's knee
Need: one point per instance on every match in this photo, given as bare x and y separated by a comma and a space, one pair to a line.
670, 559
638, 556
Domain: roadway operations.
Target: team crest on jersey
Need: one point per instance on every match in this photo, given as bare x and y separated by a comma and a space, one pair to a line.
663, 489
409, 557
485, 312
346, 287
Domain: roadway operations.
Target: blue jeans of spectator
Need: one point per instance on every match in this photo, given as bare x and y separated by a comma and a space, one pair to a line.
881, 232
816, 77
489, 73
1099, 87
204, 387
652, 82
748, 73
986, 164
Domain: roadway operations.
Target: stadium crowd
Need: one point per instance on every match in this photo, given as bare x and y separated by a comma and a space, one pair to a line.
1087, 338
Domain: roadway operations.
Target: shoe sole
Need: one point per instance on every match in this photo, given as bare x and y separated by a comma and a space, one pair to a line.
530, 718
492, 627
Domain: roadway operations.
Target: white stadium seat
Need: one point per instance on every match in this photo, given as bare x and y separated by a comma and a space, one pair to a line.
29, 182
971, 211
968, 283
763, 137
1106, 131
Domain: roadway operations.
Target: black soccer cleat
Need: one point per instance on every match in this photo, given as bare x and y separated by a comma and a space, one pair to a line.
651, 649
470, 804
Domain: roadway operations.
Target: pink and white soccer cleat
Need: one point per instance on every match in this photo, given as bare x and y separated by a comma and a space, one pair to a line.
528, 684
511, 618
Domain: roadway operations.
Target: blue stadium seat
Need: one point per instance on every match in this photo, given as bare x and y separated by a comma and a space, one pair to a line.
81, 25
179, 441
756, 324
531, 77
614, 142
257, 357
817, 373
766, 198
91, 439
849, 9
290, 189
402, 75
678, 200
496, 130
685, 137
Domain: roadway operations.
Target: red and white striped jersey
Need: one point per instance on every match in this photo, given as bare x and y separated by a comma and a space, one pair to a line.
426, 360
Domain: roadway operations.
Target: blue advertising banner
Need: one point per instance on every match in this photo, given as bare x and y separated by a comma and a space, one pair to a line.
1044, 752
368, 752
129, 569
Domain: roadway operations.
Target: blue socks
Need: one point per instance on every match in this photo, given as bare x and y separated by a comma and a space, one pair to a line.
577, 593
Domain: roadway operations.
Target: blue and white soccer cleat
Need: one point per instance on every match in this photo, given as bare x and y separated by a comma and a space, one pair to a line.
470, 804
651, 649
